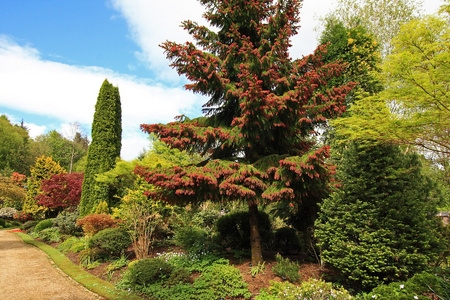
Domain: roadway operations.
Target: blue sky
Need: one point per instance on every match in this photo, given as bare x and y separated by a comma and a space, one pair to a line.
55, 54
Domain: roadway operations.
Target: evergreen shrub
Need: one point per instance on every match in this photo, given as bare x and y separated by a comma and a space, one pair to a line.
286, 269
147, 271
379, 226
29, 224
50, 235
44, 224
192, 239
286, 240
312, 289
2, 223
233, 230
67, 223
112, 241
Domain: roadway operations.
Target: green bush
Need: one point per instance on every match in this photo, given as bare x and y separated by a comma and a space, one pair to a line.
178, 276
29, 224
2, 223
286, 269
67, 222
421, 286
234, 230
51, 235
191, 239
221, 281
286, 240
43, 225
113, 241
312, 289
73, 244
147, 271
88, 258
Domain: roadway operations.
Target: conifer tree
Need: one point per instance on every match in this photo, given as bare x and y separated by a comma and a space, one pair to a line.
104, 148
264, 109
379, 225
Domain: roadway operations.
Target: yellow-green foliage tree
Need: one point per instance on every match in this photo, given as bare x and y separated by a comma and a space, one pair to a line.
415, 106
44, 168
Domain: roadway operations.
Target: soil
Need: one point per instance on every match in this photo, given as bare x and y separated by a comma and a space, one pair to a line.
28, 273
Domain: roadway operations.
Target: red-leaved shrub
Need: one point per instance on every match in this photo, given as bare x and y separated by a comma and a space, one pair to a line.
93, 223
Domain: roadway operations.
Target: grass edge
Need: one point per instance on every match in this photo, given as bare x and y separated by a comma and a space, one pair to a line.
89, 281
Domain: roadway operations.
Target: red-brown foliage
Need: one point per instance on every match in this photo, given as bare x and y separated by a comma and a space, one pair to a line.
93, 223
61, 191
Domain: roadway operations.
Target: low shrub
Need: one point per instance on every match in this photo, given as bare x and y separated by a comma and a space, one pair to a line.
50, 235
88, 257
197, 262
220, 282
191, 239
113, 241
421, 286
2, 223
93, 223
67, 222
312, 289
28, 225
44, 224
118, 263
22, 216
147, 271
233, 230
286, 269
286, 240
73, 244
178, 276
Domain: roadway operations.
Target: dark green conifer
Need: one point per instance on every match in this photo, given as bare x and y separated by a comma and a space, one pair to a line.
104, 148
379, 225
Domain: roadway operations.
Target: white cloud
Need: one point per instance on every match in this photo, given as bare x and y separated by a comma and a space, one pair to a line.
152, 23
69, 93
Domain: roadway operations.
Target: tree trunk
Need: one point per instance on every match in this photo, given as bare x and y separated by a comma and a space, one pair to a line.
255, 238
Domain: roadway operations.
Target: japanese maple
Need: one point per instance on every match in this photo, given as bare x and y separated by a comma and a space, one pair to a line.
61, 191
264, 108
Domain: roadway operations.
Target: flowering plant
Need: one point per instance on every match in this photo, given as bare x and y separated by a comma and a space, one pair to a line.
22, 216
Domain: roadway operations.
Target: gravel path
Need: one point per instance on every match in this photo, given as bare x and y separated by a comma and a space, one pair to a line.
28, 273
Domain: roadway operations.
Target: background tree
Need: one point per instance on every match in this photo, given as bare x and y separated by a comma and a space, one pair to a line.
382, 18
379, 225
12, 193
60, 192
44, 168
104, 148
63, 150
415, 106
359, 50
264, 107
15, 153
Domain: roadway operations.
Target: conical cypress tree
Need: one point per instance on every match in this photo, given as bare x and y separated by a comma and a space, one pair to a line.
379, 225
104, 148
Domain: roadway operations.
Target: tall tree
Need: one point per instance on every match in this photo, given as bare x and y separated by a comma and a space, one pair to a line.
415, 106
257, 133
359, 50
383, 18
104, 148
379, 224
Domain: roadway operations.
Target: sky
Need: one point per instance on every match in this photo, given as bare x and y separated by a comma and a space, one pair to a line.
55, 54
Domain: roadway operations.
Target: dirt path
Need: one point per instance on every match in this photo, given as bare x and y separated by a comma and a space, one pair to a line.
27, 273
